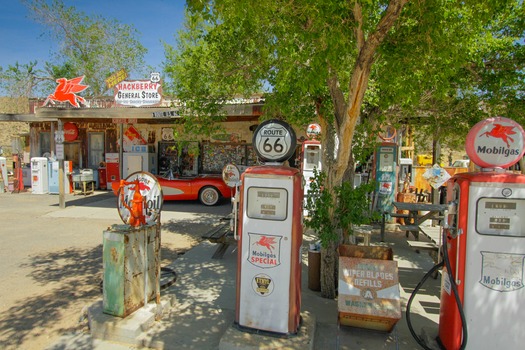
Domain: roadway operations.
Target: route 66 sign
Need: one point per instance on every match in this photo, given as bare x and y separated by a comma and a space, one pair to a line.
274, 141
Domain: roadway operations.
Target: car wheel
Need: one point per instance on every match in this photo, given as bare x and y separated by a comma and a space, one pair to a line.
209, 195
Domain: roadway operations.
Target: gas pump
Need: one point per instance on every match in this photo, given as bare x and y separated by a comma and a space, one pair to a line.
268, 295
385, 175
482, 287
310, 158
486, 243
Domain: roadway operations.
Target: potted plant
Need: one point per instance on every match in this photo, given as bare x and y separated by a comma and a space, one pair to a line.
333, 216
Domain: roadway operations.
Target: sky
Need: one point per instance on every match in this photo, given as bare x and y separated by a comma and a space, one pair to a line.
23, 40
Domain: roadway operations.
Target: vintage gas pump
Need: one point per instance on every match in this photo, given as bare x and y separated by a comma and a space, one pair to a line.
270, 236
485, 244
385, 175
310, 157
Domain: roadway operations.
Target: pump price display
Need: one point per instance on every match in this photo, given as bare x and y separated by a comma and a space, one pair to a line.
267, 203
274, 141
500, 217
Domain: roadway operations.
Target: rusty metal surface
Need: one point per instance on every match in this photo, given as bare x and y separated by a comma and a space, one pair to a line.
127, 253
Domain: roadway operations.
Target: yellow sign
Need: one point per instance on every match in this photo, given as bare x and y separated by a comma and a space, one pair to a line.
116, 78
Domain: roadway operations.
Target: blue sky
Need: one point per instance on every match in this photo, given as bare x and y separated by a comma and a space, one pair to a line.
23, 40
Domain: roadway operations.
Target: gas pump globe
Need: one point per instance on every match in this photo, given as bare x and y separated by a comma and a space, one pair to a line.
482, 287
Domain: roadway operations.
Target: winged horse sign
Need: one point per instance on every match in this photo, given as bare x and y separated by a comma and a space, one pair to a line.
66, 91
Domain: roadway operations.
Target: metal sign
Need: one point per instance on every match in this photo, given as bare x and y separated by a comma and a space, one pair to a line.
149, 189
495, 142
59, 148
231, 175
274, 141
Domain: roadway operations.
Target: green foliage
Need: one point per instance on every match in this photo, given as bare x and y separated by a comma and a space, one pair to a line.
319, 204
94, 47
338, 211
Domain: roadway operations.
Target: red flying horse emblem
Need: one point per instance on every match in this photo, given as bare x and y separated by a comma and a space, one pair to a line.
66, 91
267, 242
501, 132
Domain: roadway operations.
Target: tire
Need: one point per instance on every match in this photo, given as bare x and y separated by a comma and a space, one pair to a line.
209, 195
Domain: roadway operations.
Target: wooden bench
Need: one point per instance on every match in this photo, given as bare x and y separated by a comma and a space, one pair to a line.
222, 235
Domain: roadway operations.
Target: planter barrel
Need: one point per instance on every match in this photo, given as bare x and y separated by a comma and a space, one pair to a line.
368, 288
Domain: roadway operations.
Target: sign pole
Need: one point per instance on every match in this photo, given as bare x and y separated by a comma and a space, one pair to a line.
60, 156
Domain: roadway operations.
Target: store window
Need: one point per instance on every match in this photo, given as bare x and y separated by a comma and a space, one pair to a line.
96, 149
72, 153
45, 143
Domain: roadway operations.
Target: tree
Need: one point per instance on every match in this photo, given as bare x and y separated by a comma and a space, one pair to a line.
92, 46
340, 62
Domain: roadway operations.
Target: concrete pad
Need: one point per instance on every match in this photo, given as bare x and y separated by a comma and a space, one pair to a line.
236, 339
126, 330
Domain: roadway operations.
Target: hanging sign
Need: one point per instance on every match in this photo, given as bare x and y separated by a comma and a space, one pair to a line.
495, 143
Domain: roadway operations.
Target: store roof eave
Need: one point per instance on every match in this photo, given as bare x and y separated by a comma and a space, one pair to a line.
28, 118
102, 113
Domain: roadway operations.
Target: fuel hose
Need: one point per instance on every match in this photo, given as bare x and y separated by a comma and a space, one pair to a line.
446, 263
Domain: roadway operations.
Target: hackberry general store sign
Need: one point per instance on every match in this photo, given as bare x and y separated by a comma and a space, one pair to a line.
138, 93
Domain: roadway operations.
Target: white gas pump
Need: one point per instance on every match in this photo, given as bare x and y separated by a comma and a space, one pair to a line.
482, 287
310, 160
270, 236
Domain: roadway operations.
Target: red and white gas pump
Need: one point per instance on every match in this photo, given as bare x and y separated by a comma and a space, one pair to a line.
482, 288
310, 158
270, 236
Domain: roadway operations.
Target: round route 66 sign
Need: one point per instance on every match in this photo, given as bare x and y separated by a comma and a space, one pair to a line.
274, 141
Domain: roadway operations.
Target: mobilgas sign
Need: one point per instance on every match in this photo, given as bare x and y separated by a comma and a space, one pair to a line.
138, 93
495, 143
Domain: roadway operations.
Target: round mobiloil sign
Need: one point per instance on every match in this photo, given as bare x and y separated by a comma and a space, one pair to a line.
274, 141
149, 188
231, 175
495, 143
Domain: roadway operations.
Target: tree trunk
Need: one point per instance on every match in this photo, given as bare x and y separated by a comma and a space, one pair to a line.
328, 266
346, 116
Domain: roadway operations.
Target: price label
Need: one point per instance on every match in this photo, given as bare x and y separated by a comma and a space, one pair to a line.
274, 141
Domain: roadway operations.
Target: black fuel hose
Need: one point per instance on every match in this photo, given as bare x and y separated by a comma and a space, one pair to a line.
409, 304
454, 286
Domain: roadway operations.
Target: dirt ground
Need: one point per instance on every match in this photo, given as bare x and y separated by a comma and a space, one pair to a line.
51, 267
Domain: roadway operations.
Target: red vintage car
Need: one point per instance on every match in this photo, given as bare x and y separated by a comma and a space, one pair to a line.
208, 189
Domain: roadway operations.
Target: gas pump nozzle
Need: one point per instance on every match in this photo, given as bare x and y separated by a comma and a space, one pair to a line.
451, 210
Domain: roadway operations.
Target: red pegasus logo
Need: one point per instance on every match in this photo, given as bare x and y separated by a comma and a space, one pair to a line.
501, 132
66, 91
267, 242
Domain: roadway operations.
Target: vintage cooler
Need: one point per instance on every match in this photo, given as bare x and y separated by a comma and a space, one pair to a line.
368, 288
127, 253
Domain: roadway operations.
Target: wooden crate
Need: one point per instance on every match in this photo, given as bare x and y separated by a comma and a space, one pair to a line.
368, 288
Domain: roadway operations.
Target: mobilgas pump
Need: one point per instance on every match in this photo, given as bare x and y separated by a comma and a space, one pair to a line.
482, 287
268, 295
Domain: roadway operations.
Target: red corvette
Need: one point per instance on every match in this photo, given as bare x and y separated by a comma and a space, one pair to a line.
208, 189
